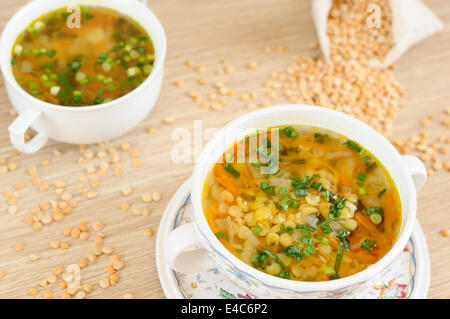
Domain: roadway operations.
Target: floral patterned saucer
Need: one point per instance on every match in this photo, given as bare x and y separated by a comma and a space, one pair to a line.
408, 277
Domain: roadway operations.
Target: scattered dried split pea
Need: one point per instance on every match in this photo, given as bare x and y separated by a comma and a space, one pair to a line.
125, 146
114, 279
104, 282
32, 170
127, 191
33, 257
118, 265
84, 235
91, 194
111, 269
137, 164
51, 278
108, 250
169, 120
97, 251
156, 196
19, 186
445, 232
80, 294
92, 258
67, 231
125, 206
60, 184
149, 232
88, 288
2, 273
98, 240
152, 130
55, 244
75, 233
66, 295
72, 290
253, 65
147, 198
97, 226
83, 263
33, 292
57, 271
135, 153
18, 246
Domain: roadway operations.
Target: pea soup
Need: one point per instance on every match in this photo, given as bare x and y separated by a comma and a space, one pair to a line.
108, 56
329, 209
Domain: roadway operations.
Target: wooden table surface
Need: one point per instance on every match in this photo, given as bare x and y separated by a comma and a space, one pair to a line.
204, 31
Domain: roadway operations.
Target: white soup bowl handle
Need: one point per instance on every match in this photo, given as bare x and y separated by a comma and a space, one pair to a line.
185, 252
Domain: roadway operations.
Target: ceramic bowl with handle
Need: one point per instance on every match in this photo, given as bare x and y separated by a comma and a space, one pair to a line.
194, 247
87, 124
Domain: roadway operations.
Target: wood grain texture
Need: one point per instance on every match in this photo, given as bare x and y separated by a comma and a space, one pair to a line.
204, 31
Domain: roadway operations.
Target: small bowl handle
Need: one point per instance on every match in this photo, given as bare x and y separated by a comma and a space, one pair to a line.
17, 131
417, 170
184, 251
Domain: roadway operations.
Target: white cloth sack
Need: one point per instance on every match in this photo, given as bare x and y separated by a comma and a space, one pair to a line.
412, 22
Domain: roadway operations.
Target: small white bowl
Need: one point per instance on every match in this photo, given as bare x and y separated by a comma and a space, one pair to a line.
194, 247
87, 124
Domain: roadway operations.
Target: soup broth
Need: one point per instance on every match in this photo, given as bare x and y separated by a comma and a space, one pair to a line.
327, 210
108, 56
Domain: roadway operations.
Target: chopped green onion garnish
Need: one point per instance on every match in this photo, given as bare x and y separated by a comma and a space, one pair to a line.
382, 192
361, 177
285, 275
290, 131
376, 218
267, 188
230, 169
353, 146
307, 227
257, 229
221, 235
326, 228
374, 210
309, 251
368, 245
